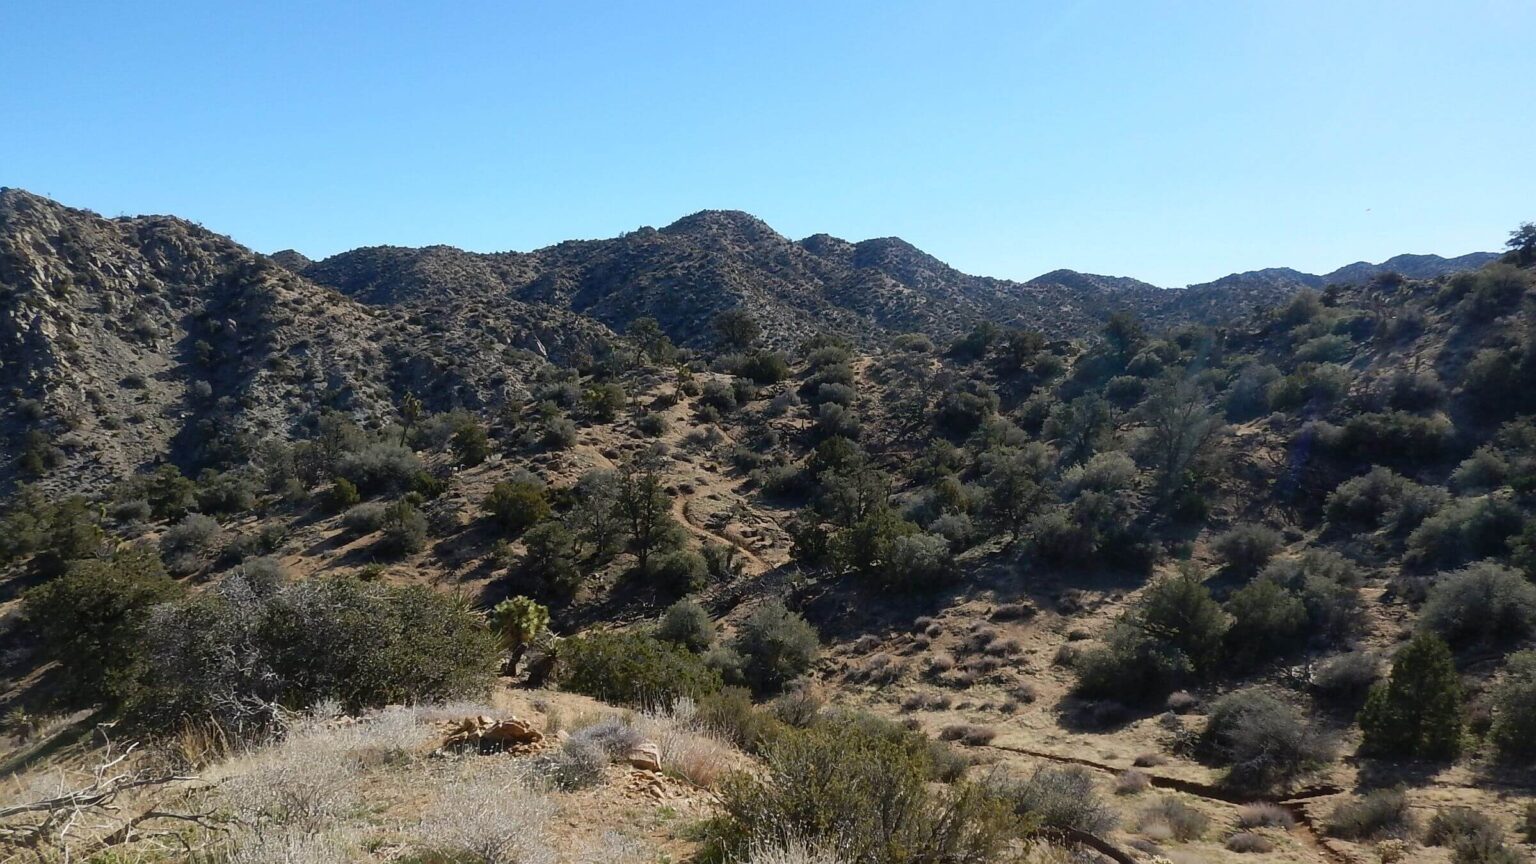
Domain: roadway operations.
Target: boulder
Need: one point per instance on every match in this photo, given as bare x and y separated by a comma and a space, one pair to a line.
646, 757
489, 735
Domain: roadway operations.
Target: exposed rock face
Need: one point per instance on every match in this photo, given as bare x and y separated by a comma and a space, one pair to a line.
487, 735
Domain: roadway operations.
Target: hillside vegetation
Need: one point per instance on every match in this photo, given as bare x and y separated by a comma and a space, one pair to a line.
705, 544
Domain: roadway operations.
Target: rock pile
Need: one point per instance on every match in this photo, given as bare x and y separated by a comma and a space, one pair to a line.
487, 735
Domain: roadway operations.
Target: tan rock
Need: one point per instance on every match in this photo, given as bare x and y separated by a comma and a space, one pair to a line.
646, 757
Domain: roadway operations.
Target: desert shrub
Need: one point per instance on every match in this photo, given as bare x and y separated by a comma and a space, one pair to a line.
1132, 781
191, 543
470, 443
834, 419
844, 785
1265, 815
517, 505
686, 623
578, 764
1328, 348
1327, 585
229, 492
917, 561
1317, 386
1396, 437
1513, 733
763, 367
1245, 549
652, 425
404, 529
1347, 678
91, 620
1463, 530
1181, 821
1417, 711
1415, 391
731, 715
1492, 291
776, 646
342, 495
492, 819
1265, 741
719, 396
1365, 500
1267, 621
679, 571
364, 518
604, 401
632, 669
559, 433
1484, 471
1172, 634
1061, 798
380, 469
1462, 826
1482, 602
1247, 842
1248, 397
231, 653
1376, 815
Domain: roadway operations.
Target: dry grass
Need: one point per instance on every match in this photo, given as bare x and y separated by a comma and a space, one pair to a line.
1172, 819
495, 819
1245, 842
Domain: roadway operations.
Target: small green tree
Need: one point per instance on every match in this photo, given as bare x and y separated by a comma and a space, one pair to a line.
405, 529
737, 329
470, 444
645, 509
1417, 712
686, 623
551, 558
1522, 244
90, 621
518, 622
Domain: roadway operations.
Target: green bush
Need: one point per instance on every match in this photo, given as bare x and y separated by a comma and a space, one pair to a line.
1245, 549
550, 558
559, 434
342, 495
229, 652
632, 669
190, 544
404, 529
1465, 529
678, 571
686, 623
1417, 711
1267, 622
917, 561
91, 621
1483, 602
845, 786
1396, 437
380, 469
776, 646
364, 519
1513, 733
1171, 635
517, 505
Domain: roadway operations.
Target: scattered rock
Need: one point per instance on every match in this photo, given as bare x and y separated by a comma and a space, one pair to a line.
488, 735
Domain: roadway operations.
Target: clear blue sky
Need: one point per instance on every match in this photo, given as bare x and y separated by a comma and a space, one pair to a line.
1172, 141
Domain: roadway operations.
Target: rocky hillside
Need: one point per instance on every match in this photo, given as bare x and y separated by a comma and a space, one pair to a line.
125, 341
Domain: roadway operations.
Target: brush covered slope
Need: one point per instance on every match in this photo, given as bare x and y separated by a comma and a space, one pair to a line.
1258, 589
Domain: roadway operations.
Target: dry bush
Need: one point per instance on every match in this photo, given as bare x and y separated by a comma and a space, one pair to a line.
969, 734
1132, 782
1265, 815
1149, 760
291, 847
495, 819
308, 782
1245, 842
1174, 819
1378, 815
792, 852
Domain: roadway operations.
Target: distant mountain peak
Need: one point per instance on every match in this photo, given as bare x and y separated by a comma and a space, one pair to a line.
722, 223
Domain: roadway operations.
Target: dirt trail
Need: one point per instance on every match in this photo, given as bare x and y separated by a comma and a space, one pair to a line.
680, 511
1295, 804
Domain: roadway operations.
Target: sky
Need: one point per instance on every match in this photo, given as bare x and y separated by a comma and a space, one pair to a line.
1174, 141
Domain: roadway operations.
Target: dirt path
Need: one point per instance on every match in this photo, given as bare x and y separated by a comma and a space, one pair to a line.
1306, 829
680, 511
